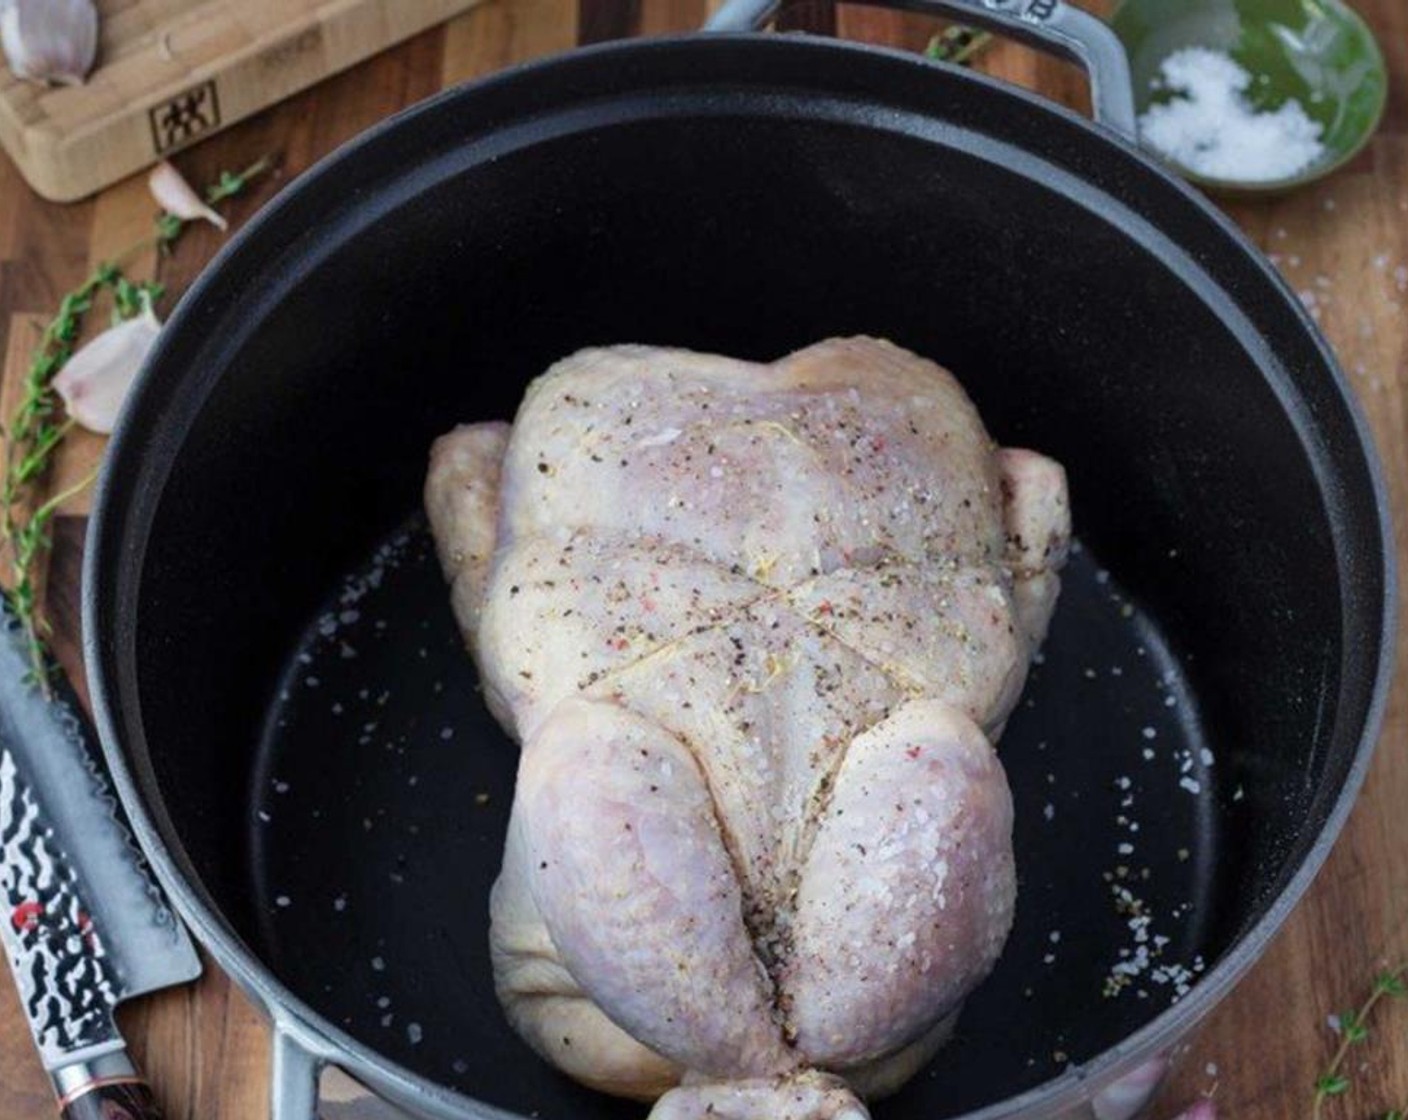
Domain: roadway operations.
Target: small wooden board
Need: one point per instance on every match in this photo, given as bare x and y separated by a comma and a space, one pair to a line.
170, 72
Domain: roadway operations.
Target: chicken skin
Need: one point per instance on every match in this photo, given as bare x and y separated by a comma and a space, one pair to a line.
757, 628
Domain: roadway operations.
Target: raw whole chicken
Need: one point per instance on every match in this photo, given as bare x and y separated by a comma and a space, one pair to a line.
757, 628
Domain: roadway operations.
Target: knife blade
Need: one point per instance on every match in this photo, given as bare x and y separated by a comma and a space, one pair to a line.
83, 923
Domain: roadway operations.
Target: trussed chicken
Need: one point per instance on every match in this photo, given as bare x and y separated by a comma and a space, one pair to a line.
757, 628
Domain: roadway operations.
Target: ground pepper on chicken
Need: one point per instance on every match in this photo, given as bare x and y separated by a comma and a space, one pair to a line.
757, 628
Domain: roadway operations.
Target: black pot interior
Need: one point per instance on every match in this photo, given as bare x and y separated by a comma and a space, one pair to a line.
745, 197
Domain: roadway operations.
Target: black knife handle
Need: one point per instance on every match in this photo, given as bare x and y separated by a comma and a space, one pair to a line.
111, 1100
105, 1088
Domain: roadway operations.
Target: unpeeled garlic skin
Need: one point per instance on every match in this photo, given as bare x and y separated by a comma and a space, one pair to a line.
94, 383
50, 41
176, 196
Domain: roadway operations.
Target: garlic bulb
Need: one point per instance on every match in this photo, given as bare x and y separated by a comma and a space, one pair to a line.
94, 383
176, 196
50, 40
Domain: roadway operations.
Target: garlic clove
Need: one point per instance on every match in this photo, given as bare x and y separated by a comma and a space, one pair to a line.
50, 41
176, 196
95, 382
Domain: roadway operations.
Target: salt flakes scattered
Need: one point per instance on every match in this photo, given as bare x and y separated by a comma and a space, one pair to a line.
1149, 733
447, 733
378, 965
1205, 756
340, 903
1211, 127
1335, 1024
1049, 811
281, 787
283, 900
1192, 785
1210, 1069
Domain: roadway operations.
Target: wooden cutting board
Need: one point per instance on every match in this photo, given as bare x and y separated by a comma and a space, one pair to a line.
1344, 247
172, 72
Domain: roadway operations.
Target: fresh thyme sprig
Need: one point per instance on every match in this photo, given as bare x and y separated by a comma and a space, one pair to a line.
232, 183
1354, 1029
959, 45
37, 428
169, 227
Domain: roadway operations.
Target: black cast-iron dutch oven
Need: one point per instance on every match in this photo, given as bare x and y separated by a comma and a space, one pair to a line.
289, 712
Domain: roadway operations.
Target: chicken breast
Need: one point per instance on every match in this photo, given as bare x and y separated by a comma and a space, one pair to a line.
757, 628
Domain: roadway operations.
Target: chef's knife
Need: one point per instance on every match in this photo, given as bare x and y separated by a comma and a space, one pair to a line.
83, 924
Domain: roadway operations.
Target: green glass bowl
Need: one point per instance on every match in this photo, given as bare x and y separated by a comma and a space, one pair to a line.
1317, 51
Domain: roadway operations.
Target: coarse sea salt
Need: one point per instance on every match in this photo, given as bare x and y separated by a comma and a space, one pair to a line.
1211, 127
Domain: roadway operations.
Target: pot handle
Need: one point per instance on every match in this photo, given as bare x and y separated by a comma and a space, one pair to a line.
293, 1079
1049, 25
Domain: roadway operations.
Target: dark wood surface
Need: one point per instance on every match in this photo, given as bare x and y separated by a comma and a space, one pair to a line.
1342, 244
